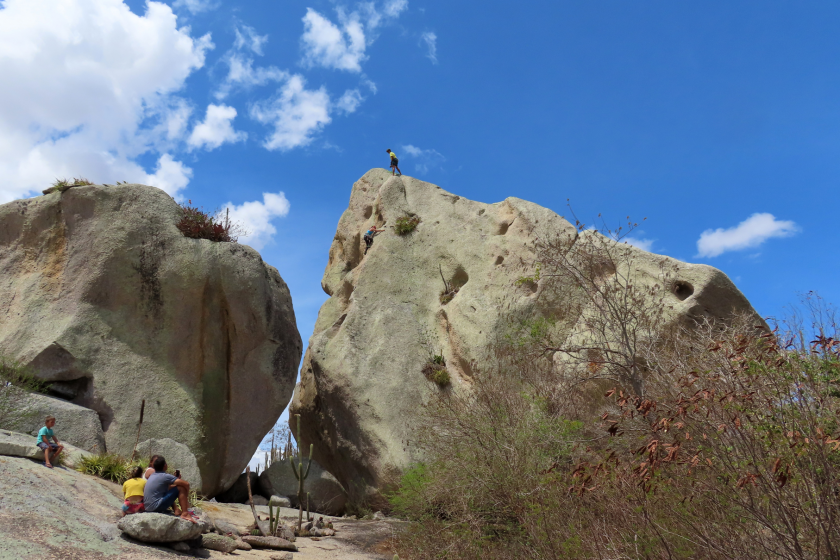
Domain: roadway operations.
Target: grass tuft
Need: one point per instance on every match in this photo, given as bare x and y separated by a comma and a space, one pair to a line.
109, 466
406, 224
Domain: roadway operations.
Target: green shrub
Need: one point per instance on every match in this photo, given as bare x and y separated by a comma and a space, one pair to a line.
198, 224
110, 466
406, 224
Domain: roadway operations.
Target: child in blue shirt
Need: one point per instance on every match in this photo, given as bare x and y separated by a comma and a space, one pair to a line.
44, 436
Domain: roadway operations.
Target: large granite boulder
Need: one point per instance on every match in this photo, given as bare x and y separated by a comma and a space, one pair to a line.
74, 424
159, 528
101, 295
326, 494
238, 491
178, 456
362, 382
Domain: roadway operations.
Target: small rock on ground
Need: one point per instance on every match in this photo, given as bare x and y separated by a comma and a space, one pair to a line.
212, 541
275, 543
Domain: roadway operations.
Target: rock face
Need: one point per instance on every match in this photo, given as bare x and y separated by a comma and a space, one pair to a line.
101, 295
238, 492
325, 492
159, 528
177, 455
76, 425
361, 382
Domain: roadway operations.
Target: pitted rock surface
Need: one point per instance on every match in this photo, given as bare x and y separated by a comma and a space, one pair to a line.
362, 385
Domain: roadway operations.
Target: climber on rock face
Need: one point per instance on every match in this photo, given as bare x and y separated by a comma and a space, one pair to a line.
394, 162
369, 237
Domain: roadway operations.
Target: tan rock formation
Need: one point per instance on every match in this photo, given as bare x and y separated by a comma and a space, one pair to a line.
362, 382
102, 295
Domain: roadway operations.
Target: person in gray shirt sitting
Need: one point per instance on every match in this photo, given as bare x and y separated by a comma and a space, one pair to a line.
163, 490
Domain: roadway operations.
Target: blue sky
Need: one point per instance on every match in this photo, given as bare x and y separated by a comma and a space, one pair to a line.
718, 121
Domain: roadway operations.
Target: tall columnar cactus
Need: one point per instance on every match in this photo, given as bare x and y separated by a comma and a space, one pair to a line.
300, 474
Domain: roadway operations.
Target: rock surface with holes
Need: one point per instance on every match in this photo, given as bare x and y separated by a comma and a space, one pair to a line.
447, 288
103, 297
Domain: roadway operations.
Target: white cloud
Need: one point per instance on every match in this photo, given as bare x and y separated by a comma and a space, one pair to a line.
256, 217
324, 44
640, 243
393, 8
171, 176
88, 86
194, 6
752, 232
342, 46
241, 73
246, 37
423, 159
296, 113
431, 43
216, 129
350, 101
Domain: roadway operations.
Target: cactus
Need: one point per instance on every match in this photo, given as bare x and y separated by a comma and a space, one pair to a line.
301, 475
307, 508
273, 519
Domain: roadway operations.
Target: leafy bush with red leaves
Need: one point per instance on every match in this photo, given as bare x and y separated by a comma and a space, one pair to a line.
198, 224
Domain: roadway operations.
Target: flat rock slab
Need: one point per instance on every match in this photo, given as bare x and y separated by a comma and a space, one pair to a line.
159, 528
14, 444
274, 543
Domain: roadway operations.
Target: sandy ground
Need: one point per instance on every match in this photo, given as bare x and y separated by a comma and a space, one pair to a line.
61, 514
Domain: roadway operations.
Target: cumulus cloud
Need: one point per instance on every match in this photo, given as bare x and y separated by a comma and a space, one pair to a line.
423, 159
640, 243
88, 86
256, 218
296, 113
350, 101
430, 39
750, 233
216, 129
342, 46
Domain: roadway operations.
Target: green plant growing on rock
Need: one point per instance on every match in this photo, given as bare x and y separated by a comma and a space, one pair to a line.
435, 370
109, 466
406, 224
300, 475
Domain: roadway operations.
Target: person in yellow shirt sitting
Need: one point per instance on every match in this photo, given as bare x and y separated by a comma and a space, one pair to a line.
133, 490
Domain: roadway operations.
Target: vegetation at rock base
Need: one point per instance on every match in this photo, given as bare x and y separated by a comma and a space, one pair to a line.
198, 224
648, 439
80, 182
109, 466
406, 224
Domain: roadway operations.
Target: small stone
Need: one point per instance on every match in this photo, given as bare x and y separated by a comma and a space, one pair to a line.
225, 527
242, 545
275, 543
379, 516
283, 556
212, 541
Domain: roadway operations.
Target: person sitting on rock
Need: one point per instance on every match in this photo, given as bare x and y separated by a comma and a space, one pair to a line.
163, 490
369, 237
44, 436
133, 491
150, 471
394, 162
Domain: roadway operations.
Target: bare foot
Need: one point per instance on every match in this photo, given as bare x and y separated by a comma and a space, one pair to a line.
186, 515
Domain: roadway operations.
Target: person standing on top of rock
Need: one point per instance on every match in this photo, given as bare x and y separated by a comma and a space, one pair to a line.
394, 162
163, 490
369, 236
